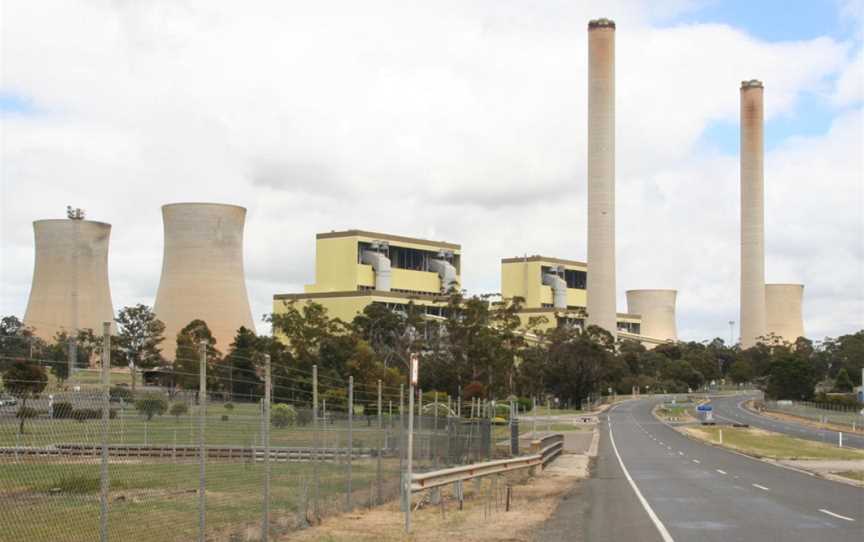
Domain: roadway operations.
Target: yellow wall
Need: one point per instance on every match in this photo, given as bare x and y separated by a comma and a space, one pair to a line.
523, 279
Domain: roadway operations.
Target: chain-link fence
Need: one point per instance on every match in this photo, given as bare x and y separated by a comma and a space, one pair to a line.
252, 456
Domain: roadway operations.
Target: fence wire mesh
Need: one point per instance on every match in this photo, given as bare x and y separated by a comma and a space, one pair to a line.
165, 441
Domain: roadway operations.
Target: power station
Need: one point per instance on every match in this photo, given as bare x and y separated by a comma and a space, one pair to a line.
202, 272
70, 289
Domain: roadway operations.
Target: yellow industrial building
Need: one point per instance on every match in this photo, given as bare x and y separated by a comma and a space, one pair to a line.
356, 268
555, 289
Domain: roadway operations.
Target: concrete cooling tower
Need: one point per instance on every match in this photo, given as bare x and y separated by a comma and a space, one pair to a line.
752, 214
601, 175
657, 308
202, 272
70, 288
783, 311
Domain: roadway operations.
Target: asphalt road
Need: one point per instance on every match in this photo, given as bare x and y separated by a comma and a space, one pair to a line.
697, 492
730, 409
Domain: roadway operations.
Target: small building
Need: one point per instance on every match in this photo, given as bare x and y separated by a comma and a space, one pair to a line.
356, 268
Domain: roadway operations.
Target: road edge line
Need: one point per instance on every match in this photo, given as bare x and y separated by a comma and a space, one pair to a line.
664, 534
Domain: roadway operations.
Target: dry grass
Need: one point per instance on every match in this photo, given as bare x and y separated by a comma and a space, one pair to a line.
760, 443
483, 517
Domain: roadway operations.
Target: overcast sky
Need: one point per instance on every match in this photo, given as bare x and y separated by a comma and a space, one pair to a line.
462, 121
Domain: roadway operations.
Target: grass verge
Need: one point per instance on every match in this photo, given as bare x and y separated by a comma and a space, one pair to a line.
760, 443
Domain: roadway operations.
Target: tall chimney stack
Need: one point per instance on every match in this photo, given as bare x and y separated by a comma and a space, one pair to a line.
601, 175
753, 315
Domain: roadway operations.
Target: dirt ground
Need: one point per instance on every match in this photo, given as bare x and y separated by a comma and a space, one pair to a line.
483, 517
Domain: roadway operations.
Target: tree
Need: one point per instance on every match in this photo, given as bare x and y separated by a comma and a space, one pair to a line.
741, 372
151, 404
24, 379
241, 378
187, 358
577, 360
139, 336
843, 382
283, 415
791, 377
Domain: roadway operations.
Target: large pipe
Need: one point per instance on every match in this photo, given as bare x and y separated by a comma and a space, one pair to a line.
202, 272
446, 272
381, 265
783, 315
559, 289
752, 214
601, 175
70, 289
657, 309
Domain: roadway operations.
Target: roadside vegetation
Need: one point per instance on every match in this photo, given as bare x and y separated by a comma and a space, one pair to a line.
760, 443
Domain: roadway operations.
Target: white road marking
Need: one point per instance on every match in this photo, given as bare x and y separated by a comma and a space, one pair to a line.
696, 461
721, 471
680, 453
664, 534
830, 513
763, 488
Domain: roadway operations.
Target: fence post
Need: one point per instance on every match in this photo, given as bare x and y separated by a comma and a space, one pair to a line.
380, 446
202, 453
533, 417
106, 415
350, 439
315, 492
265, 521
402, 445
409, 453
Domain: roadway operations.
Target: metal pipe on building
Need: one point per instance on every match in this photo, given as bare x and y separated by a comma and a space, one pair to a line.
381, 265
202, 272
753, 317
657, 309
70, 288
559, 289
783, 314
601, 175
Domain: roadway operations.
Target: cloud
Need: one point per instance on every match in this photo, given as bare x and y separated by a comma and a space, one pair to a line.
459, 120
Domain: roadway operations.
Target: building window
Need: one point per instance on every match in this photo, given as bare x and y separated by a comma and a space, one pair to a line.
575, 279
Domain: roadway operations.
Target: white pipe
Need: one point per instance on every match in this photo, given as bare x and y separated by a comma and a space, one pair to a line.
381, 265
559, 289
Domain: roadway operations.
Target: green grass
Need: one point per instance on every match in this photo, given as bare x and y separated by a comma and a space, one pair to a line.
157, 501
853, 474
774, 446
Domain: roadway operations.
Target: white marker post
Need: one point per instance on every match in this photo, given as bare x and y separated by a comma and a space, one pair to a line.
840, 439
415, 369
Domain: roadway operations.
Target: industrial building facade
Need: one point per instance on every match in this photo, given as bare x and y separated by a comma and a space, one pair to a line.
355, 268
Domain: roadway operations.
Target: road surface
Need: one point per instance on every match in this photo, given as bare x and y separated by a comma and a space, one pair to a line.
678, 489
731, 409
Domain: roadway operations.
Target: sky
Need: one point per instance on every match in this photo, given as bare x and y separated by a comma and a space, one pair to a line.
450, 120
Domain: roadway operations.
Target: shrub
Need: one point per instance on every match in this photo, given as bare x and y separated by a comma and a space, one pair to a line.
26, 412
151, 404
283, 415
229, 406
83, 414
62, 410
224, 417
178, 409
118, 393
304, 417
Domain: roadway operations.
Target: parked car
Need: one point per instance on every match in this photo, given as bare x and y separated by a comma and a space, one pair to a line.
6, 400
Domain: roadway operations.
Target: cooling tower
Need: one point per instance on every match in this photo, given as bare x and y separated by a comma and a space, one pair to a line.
657, 308
601, 175
202, 272
783, 310
752, 215
70, 277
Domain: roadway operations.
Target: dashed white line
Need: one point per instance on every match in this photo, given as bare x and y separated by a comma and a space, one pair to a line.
721, 471
696, 461
680, 453
830, 513
763, 488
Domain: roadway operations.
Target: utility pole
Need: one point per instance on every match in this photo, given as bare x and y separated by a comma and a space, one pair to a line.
415, 361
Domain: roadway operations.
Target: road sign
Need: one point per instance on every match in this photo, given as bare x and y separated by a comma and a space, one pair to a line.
704, 408
415, 366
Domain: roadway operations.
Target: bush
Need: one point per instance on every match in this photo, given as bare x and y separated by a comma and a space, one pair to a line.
62, 410
178, 409
83, 414
27, 413
229, 406
118, 393
283, 415
224, 417
151, 404
304, 417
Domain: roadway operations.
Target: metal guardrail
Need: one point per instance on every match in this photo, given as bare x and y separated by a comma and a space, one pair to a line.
546, 450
